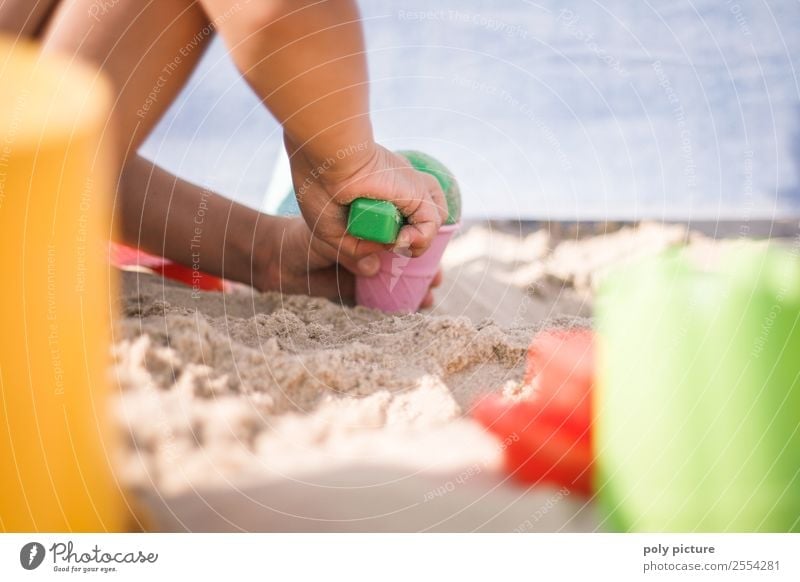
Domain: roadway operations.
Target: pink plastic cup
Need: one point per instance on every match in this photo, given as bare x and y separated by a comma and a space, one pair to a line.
402, 282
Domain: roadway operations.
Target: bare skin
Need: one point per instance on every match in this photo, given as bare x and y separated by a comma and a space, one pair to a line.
306, 60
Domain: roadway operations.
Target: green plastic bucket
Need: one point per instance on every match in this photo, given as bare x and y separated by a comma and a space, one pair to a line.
698, 399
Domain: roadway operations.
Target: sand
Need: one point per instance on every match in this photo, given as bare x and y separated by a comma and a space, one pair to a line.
227, 388
225, 392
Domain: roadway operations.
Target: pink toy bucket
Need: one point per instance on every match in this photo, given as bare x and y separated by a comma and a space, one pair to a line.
402, 282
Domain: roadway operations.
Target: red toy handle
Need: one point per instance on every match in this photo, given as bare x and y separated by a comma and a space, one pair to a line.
125, 256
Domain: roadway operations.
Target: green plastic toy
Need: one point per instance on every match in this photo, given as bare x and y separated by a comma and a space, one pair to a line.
380, 221
698, 396
374, 220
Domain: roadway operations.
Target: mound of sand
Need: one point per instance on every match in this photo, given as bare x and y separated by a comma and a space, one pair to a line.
243, 388
224, 387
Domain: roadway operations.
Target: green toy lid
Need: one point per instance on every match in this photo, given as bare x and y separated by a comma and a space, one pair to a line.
374, 220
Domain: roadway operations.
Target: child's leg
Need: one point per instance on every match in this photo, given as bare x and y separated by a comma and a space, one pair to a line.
147, 48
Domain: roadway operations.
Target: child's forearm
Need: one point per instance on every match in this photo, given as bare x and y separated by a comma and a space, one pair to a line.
170, 217
307, 61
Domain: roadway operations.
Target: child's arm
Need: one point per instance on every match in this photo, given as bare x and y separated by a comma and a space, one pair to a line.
306, 60
170, 217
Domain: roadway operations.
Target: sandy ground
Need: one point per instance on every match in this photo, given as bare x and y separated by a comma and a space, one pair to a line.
270, 412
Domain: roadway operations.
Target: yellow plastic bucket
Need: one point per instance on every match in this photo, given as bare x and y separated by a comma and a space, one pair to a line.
56, 180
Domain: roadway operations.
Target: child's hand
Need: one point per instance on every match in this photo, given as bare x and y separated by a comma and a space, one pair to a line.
325, 190
294, 261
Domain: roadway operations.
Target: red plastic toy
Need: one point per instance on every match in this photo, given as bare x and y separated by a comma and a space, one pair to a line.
125, 256
549, 438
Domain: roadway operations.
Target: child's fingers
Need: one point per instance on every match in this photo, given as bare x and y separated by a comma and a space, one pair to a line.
428, 301
439, 199
354, 248
420, 200
429, 298
431, 193
365, 266
358, 263
414, 239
